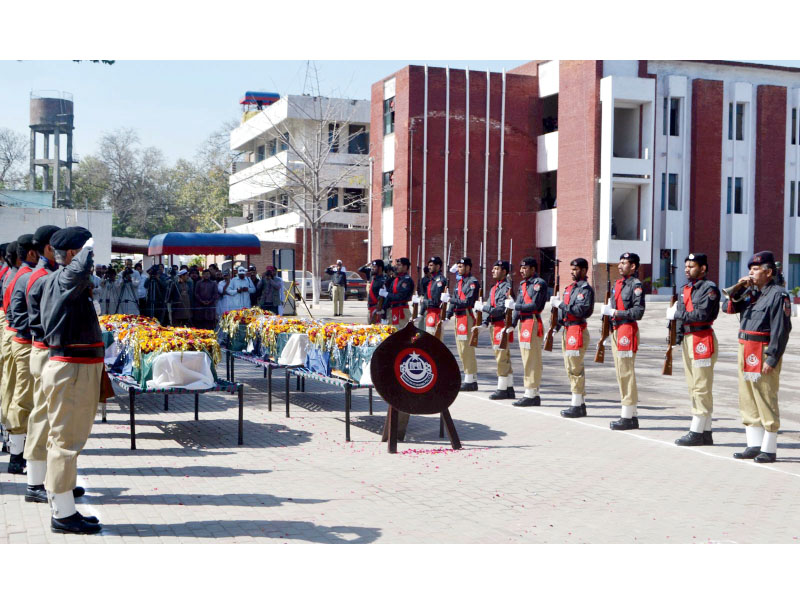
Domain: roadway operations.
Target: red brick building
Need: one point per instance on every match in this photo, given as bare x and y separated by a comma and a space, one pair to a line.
592, 159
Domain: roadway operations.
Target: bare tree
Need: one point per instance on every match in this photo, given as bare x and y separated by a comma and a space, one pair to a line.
309, 175
13, 154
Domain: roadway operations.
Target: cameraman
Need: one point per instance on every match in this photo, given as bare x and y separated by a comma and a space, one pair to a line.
127, 286
108, 293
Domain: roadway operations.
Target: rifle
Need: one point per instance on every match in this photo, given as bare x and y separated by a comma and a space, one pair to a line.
509, 311
673, 325
548, 338
473, 335
415, 308
442, 305
605, 327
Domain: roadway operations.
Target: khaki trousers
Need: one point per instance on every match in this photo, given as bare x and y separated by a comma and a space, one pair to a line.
758, 400
22, 403
2, 354
626, 375
699, 379
72, 391
532, 360
503, 358
38, 425
9, 373
337, 295
466, 352
576, 373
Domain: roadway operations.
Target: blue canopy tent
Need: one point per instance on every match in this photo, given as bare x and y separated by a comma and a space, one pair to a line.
204, 243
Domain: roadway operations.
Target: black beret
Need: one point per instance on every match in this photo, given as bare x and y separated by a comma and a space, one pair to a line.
437, 260
465, 261
503, 264
11, 248
762, 258
581, 263
25, 243
71, 238
41, 237
378, 263
697, 257
404, 261
529, 261
630, 257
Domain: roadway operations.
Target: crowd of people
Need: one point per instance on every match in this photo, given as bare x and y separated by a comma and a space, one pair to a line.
185, 295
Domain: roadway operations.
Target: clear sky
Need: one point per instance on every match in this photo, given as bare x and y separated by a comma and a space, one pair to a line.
175, 105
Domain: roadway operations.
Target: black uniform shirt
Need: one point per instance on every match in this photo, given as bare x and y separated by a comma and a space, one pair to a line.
378, 282
632, 295
405, 289
580, 306
470, 288
538, 296
502, 290
705, 297
18, 307
769, 310
34, 303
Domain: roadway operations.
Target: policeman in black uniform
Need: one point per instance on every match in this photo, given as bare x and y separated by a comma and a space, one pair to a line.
432, 288
764, 327
531, 298
377, 282
397, 298
695, 312
461, 303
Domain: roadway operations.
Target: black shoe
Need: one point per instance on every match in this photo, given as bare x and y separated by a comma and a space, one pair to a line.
510, 391
574, 412
623, 424
74, 524
499, 395
16, 464
535, 401
707, 439
78, 491
749, 452
690, 439
36, 493
469, 387
89, 519
766, 457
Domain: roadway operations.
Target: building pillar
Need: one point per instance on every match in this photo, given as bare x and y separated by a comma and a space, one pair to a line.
57, 163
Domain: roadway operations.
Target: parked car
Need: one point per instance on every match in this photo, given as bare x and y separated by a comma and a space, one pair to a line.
298, 277
356, 286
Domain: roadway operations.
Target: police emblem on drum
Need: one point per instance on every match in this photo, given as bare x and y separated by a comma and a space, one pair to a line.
415, 370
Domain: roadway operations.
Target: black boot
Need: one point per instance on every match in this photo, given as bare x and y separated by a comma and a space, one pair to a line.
690, 439
766, 457
16, 464
749, 452
525, 401
469, 387
623, 424
574, 412
708, 440
499, 395
74, 524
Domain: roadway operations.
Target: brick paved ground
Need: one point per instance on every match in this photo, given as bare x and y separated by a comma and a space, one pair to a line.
524, 475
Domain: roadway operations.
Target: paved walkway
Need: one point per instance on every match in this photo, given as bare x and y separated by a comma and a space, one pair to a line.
524, 475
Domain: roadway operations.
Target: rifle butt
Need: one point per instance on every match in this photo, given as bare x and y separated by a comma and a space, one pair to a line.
667, 370
600, 353
548, 341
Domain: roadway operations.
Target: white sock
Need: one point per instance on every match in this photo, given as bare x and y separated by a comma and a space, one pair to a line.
509, 381
707, 426
502, 383
770, 442
469, 377
530, 393
62, 505
577, 400
755, 435
36, 471
627, 412
16, 443
697, 424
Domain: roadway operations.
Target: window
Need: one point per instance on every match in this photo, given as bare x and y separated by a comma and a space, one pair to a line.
735, 198
260, 155
669, 193
665, 121
793, 276
388, 116
386, 254
283, 142
732, 263
739, 121
388, 188
791, 198
357, 140
668, 258
271, 147
730, 120
284, 208
333, 137
354, 200
261, 210
674, 116
333, 200
794, 126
